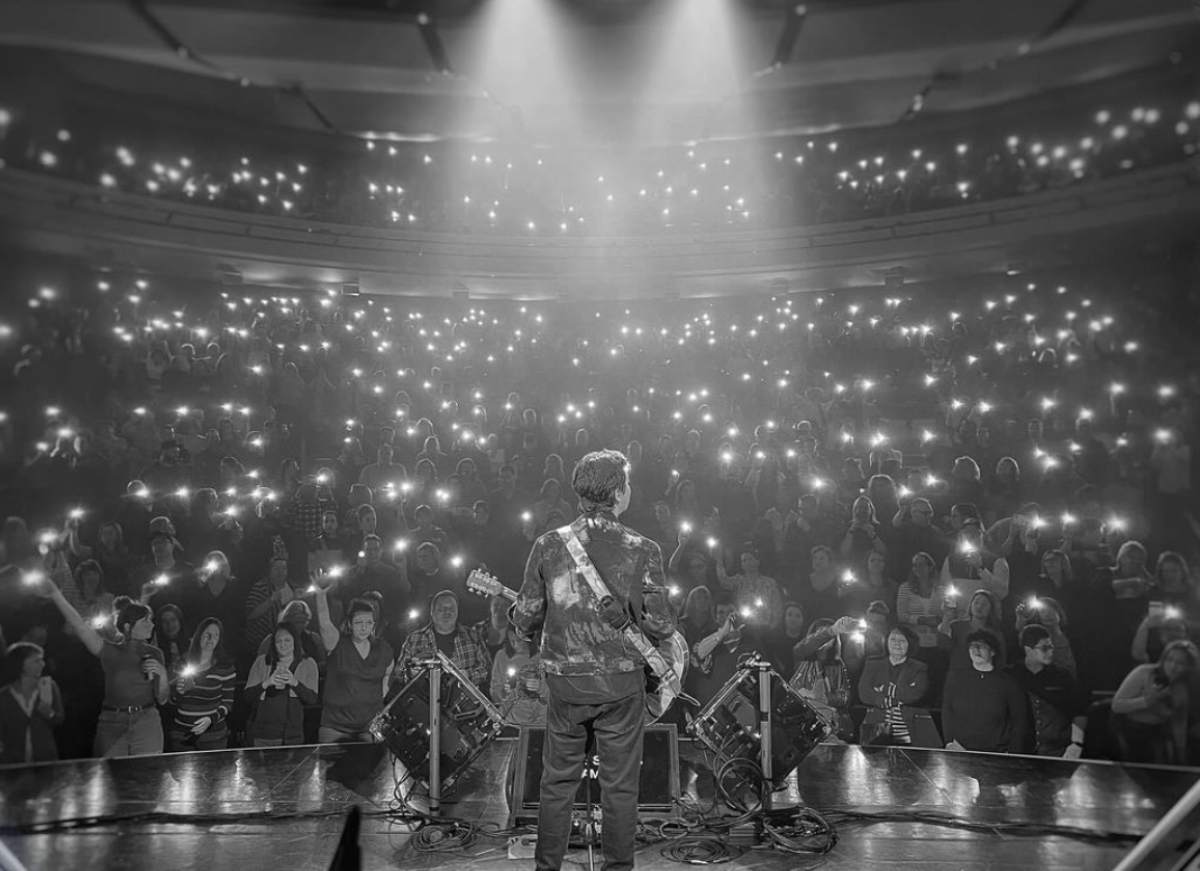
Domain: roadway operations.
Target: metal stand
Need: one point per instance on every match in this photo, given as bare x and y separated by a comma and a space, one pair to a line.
764, 725
591, 809
435, 737
412, 729
738, 723
1157, 837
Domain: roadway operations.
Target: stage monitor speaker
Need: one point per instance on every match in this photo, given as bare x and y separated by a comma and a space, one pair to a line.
728, 725
658, 783
469, 722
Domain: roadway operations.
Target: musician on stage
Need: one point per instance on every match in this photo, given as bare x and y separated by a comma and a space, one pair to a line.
595, 676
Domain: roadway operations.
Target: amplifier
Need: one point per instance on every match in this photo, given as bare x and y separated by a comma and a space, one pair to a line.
658, 783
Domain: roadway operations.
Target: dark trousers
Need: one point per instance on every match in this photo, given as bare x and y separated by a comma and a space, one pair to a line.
617, 727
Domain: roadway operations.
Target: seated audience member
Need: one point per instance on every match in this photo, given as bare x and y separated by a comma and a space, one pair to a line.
893, 687
1151, 715
465, 646
1057, 713
983, 614
281, 683
357, 671
203, 693
821, 676
983, 708
135, 677
518, 683
31, 707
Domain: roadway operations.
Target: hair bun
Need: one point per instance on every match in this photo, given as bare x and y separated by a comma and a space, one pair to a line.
121, 602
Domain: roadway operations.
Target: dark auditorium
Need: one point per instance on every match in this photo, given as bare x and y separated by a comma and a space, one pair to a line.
529, 435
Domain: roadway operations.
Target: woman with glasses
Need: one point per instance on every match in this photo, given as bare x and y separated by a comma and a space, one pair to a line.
356, 673
983, 708
1058, 712
894, 688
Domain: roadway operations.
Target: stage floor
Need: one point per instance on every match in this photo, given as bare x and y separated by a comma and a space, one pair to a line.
219, 802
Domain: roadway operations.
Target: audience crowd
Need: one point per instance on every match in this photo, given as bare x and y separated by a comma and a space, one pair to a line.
959, 518
521, 190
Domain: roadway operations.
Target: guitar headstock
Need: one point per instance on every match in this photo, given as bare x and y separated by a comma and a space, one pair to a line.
484, 584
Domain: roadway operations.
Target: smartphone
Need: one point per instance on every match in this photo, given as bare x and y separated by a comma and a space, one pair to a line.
1157, 610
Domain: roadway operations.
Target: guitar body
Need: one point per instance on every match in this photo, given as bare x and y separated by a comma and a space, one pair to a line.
664, 682
662, 692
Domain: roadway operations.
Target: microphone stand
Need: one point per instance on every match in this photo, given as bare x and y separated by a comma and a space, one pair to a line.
592, 774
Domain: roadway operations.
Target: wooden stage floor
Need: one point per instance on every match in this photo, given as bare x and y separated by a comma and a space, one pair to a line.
282, 808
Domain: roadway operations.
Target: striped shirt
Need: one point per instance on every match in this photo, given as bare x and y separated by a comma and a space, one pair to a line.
210, 695
911, 607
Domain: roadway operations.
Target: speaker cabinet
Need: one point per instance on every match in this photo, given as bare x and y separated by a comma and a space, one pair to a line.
658, 783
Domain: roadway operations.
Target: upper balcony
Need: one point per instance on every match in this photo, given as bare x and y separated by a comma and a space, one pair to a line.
1069, 224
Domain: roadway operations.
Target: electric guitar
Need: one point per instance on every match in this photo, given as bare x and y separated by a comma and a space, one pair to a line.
665, 661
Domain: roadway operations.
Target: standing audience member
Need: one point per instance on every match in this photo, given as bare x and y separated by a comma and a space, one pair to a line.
465, 646
1151, 708
821, 675
755, 595
983, 708
31, 706
983, 614
893, 687
518, 684
357, 671
282, 682
135, 677
1056, 710
203, 693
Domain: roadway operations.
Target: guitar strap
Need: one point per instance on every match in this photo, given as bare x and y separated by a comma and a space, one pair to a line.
583, 563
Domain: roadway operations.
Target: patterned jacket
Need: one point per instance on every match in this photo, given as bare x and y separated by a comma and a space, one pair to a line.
470, 653
557, 599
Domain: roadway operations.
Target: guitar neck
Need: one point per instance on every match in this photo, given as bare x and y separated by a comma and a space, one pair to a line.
488, 585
